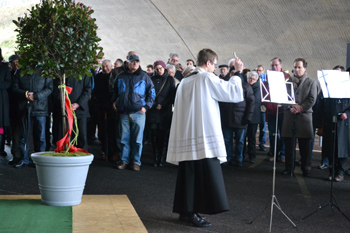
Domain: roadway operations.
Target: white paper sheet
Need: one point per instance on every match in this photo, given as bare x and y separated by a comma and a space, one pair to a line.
334, 83
277, 87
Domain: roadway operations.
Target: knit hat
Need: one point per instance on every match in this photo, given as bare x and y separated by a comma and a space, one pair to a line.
156, 63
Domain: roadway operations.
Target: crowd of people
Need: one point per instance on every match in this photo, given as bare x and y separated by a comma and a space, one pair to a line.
191, 116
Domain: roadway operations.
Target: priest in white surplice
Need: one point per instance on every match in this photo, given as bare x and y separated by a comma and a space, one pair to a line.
196, 142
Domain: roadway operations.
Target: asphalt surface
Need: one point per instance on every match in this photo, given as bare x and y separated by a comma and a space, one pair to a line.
249, 191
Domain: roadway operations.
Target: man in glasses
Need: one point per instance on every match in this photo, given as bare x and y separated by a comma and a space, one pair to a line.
196, 143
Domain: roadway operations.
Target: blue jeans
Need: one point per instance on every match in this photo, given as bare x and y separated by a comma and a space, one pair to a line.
37, 126
132, 127
262, 129
239, 142
272, 129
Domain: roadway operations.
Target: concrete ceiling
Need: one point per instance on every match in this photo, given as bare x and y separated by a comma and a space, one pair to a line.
257, 31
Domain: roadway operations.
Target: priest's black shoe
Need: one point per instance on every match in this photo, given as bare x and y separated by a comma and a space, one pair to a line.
194, 219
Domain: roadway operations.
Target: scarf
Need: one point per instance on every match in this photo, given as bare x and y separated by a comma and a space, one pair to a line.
297, 81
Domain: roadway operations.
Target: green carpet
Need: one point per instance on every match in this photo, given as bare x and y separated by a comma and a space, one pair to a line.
31, 216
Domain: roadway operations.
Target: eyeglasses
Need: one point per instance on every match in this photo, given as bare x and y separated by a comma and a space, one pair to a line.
215, 64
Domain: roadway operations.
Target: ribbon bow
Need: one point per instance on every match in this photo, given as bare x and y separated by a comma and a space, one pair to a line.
65, 141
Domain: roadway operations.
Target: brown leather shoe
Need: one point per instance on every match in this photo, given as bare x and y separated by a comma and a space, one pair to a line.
122, 166
136, 167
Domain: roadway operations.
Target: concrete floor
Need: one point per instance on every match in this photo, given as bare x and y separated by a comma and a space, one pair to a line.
249, 191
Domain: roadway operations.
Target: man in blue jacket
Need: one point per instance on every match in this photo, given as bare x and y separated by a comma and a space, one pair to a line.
133, 95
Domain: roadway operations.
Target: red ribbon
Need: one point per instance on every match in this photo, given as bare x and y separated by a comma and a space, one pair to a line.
64, 142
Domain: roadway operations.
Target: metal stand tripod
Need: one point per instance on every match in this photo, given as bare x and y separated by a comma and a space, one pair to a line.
332, 202
274, 201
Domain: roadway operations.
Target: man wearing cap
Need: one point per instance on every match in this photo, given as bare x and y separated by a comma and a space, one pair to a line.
13, 60
32, 92
224, 72
134, 94
15, 121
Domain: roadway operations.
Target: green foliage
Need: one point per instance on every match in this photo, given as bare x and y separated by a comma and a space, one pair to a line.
58, 37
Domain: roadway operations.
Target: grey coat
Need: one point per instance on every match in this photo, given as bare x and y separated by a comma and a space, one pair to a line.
305, 96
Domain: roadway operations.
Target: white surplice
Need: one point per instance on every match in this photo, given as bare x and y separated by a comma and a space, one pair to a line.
196, 126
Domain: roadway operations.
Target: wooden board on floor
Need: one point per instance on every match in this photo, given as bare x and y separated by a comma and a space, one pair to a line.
100, 213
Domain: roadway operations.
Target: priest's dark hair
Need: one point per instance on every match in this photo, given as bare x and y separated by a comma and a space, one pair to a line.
206, 55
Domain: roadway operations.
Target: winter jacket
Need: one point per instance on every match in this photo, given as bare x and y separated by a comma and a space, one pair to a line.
42, 89
165, 98
5, 84
257, 102
81, 91
132, 91
238, 115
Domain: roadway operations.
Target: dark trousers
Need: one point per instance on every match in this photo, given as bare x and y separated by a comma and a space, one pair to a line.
340, 163
304, 150
82, 136
107, 127
200, 188
92, 120
15, 125
262, 129
251, 135
159, 141
47, 132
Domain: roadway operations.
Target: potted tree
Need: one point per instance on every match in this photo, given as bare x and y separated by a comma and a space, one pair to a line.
58, 39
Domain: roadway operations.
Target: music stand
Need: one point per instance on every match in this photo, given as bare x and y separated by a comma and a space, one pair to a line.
328, 92
276, 93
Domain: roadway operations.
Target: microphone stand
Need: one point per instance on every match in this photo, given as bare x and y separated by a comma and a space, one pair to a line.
332, 202
294, 129
274, 201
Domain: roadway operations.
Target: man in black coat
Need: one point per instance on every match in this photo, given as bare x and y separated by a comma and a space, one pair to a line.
15, 121
336, 140
32, 92
234, 120
107, 119
79, 99
5, 83
254, 82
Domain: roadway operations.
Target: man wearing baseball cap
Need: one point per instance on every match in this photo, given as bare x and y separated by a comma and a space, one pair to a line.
134, 94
